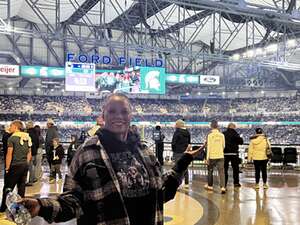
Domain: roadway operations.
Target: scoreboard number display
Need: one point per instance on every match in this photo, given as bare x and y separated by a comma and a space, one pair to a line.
80, 77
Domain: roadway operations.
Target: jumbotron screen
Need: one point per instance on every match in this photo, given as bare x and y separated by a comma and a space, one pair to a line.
80, 77
127, 80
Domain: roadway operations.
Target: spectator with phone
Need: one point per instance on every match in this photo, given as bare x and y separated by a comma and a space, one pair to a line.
113, 179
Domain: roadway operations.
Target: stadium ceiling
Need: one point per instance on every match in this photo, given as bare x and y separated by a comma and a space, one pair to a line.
192, 35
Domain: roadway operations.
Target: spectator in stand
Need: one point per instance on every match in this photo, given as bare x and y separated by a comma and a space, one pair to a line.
79, 108
72, 148
83, 136
231, 153
215, 156
159, 137
134, 130
17, 158
35, 145
50, 135
180, 141
56, 160
258, 146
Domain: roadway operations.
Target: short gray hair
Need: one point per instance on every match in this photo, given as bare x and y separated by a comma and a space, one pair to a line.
214, 124
120, 95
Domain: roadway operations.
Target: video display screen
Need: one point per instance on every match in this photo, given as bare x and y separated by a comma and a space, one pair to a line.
127, 80
80, 77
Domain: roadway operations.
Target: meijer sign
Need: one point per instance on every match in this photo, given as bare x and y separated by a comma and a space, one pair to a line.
9, 70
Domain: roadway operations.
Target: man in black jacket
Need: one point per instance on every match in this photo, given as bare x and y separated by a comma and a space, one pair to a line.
50, 135
5, 137
159, 137
181, 139
231, 153
35, 145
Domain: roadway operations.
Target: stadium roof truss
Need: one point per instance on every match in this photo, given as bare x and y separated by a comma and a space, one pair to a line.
191, 35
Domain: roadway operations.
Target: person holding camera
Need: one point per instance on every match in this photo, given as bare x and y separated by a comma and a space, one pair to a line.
113, 179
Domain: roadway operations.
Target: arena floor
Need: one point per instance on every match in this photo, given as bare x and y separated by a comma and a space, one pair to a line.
279, 205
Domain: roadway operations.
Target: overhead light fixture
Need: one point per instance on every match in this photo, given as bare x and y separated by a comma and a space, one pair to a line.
199, 93
223, 93
259, 51
62, 90
250, 54
262, 92
52, 89
291, 43
272, 48
10, 88
38, 89
187, 94
236, 57
236, 92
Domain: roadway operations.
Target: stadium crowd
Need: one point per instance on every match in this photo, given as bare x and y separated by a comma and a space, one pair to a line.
66, 108
277, 134
82, 105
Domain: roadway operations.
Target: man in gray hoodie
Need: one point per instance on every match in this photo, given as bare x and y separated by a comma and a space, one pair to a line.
50, 135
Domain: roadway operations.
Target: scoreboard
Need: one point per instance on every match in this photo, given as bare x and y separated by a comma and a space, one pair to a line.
80, 77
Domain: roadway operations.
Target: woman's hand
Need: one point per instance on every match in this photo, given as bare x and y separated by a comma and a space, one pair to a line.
32, 205
192, 152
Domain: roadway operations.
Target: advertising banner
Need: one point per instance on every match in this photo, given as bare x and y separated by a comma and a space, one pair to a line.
42, 72
209, 80
182, 78
9, 70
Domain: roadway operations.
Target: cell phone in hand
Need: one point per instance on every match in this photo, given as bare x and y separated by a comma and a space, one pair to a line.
195, 147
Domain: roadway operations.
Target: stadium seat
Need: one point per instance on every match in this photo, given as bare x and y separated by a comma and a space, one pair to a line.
289, 155
277, 156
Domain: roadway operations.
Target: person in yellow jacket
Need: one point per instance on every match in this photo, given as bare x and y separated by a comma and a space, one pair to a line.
215, 156
257, 152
